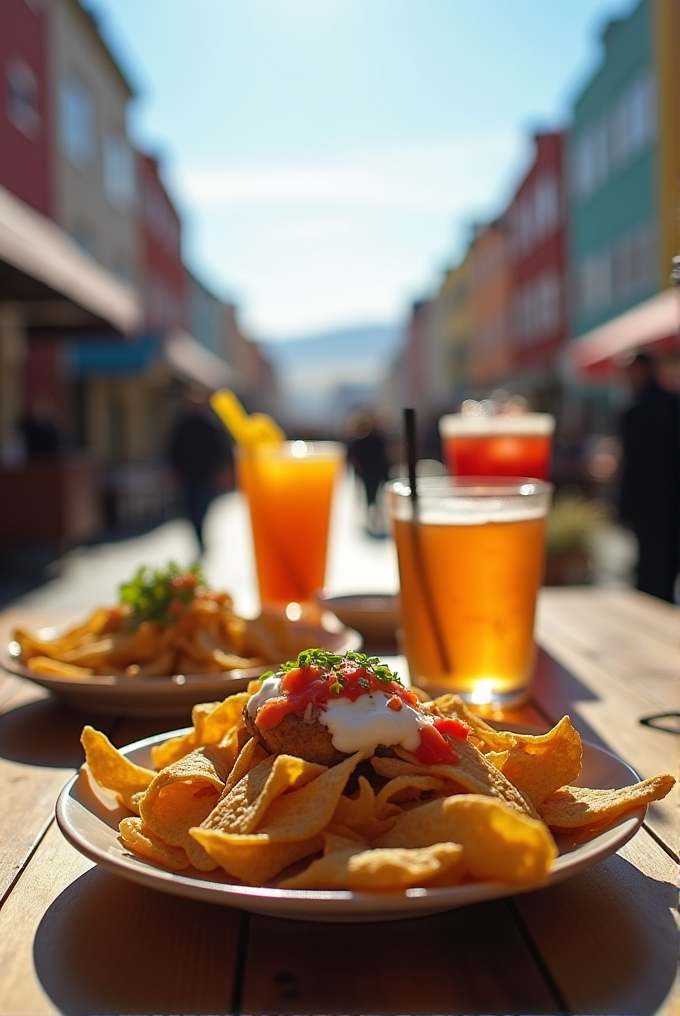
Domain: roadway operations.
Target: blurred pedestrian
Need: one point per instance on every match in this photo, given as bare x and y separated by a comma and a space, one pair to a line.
368, 456
649, 497
39, 429
200, 455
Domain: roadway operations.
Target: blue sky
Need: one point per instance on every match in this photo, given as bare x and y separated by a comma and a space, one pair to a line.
328, 156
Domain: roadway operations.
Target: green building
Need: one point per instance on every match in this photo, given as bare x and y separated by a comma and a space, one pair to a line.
624, 174
614, 228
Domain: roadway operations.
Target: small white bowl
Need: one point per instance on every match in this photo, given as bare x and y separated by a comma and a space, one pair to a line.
373, 615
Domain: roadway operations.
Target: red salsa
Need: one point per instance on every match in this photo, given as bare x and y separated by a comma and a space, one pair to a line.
436, 741
315, 684
317, 677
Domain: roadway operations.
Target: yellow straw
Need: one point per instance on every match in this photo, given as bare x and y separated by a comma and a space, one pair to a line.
247, 431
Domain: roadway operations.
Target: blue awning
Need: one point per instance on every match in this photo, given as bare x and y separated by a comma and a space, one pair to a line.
91, 356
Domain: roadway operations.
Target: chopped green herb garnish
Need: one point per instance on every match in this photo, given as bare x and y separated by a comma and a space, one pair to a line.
326, 660
159, 595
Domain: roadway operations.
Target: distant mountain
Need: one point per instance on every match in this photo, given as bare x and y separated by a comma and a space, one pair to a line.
374, 343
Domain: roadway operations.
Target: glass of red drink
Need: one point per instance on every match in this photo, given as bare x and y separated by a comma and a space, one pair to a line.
500, 445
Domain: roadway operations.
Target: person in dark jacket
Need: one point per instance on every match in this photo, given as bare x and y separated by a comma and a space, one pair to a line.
367, 454
198, 453
650, 478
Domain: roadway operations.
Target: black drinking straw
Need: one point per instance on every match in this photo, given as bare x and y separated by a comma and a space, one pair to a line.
411, 459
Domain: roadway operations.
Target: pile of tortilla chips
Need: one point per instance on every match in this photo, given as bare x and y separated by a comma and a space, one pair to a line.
378, 822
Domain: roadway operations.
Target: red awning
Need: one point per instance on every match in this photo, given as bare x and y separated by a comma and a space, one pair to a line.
653, 325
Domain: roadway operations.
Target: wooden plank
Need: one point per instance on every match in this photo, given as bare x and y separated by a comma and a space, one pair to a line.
76, 939
608, 935
468, 960
39, 750
613, 632
647, 613
608, 714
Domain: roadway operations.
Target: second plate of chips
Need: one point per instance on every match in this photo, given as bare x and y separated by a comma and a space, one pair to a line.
174, 695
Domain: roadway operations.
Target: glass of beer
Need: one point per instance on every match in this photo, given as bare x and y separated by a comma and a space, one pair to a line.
471, 557
289, 488
499, 445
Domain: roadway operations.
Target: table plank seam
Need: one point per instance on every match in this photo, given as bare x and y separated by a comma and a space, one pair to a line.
561, 1003
27, 860
666, 847
240, 963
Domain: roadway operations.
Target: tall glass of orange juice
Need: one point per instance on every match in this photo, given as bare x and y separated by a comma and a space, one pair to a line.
500, 445
289, 488
471, 557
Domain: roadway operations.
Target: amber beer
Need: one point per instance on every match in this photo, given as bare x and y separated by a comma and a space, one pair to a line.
289, 488
470, 567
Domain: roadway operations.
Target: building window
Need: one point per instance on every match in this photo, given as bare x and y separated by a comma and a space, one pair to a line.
546, 206
624, 131
77, 122
634, 263
22, 98
595, 283
119, 171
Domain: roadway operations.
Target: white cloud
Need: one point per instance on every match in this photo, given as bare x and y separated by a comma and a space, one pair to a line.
416, 177
348, 240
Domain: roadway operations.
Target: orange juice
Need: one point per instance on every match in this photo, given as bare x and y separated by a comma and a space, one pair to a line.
290, 488
470, 568
501, 445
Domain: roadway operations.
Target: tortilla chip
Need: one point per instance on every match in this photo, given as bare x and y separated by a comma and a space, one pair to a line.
405, 788
539, 765
141, 840
211, 726
254, 859
476, 774
571, 807
250, 755
243, 808
359, 813
112, 770
173, 749
348, 865
182, 796
490, 738
500, 842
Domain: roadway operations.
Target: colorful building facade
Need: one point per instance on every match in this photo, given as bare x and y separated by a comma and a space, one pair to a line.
490, 297
25, 121
536, 220
615, 208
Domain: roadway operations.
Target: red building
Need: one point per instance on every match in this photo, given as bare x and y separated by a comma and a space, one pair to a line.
24, 112
164, 280
536, 219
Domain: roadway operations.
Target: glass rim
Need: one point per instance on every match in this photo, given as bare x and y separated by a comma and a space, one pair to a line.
285, 449
534, 424
470, 486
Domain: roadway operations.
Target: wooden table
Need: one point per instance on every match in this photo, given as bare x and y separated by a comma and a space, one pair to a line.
76, 939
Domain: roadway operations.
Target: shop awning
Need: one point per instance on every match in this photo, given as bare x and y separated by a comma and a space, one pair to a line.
652, 325
57, 287
179, 353
190, 361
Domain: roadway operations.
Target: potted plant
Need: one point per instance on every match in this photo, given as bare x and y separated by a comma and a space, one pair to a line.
573, 523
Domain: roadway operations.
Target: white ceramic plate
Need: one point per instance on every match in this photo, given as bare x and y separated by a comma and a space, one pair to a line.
88, 817
169, 696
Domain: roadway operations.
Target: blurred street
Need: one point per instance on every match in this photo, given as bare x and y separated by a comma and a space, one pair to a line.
91, 575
